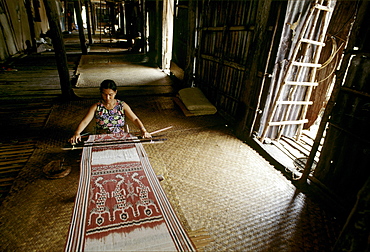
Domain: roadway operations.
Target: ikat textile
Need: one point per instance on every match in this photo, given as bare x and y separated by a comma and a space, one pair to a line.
120, 205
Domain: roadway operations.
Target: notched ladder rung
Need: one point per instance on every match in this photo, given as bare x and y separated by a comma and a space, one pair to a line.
296, 83
322, 7
288, 122
296, 63
314, 42
295, 102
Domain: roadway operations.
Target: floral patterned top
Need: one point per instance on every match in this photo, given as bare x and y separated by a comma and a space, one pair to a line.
110, 120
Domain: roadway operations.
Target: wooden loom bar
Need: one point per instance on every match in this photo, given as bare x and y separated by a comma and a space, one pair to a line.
107, 143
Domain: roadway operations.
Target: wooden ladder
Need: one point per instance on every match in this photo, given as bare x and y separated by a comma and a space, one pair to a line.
297, 73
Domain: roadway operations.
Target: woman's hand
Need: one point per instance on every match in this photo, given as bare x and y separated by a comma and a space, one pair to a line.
145, 134
75, 139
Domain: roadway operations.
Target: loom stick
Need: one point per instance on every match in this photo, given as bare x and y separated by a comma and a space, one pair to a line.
154, 132
160, 130
143, 141
151, 140
85, 135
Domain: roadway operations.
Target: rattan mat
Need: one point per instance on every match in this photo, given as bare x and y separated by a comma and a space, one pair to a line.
133, 71
220, 188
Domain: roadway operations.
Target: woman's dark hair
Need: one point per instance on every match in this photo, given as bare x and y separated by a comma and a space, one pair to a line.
108, 84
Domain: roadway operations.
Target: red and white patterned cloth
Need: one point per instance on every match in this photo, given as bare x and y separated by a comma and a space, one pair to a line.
120, 205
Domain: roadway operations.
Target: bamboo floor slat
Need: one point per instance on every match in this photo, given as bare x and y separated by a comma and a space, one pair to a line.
7, 171
6, 179
28, 95
16, 150
21, 160
13, 157
16, 153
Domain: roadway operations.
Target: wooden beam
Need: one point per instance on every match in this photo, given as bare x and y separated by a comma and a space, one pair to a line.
255, 61
225, 62
231, 28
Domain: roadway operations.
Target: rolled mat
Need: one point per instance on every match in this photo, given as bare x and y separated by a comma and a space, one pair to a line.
195, 101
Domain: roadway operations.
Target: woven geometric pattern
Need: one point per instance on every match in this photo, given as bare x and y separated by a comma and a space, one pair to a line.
120, 204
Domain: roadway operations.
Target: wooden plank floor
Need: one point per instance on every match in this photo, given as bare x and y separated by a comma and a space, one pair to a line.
13, 157
27, 95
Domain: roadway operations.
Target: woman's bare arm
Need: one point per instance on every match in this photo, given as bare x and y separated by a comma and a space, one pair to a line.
83, 124
132, 117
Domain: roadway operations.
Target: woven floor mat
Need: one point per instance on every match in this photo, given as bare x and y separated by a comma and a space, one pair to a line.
221, 189
93, 69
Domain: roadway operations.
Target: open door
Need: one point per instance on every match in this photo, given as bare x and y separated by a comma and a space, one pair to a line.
310, 50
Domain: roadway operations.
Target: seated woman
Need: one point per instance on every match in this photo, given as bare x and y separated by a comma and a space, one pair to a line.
110, 114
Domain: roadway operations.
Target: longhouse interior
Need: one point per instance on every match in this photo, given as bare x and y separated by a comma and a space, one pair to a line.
281, 166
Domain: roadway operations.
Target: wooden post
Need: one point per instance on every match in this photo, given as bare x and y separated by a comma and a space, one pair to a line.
92, 17
267, 67
32, 44
60, 52
88, 23
253, 64
158, 33
188, 71
121, 19
66, 15
100, 20
144, 31
77, 6
112, 18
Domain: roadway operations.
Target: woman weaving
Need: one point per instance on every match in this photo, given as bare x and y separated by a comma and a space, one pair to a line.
110, 114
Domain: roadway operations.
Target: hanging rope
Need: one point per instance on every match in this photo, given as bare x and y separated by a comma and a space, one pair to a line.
334, 53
